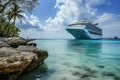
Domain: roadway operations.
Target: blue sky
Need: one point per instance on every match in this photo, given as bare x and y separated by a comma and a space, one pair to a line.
45, 9
50, 18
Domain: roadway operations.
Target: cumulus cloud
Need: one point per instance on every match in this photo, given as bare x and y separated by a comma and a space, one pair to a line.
104, 17
31, 20
110, 24
69, 11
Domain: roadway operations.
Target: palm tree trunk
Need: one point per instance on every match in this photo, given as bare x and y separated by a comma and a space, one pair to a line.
8, 22
14, 22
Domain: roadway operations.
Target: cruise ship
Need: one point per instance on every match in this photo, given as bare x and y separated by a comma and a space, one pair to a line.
85, 30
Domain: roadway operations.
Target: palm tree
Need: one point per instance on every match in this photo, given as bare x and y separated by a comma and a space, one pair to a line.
3, 5
3, 8
15, 13
10, 10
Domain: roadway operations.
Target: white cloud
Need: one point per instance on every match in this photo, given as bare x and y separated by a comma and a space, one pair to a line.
110, 24
104, 17
48, 20
69, 11
25, 16
32, 20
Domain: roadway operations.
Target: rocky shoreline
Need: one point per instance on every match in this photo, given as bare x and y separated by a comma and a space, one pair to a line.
18, 55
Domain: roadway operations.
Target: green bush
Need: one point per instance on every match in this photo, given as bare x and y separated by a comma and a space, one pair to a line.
8, 30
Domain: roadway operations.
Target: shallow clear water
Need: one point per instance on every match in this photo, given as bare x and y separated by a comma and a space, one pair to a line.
78, 60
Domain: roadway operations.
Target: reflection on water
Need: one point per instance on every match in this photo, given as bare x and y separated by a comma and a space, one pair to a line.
81, 59
88, 52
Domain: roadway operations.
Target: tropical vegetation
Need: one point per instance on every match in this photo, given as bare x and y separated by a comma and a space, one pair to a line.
10, 11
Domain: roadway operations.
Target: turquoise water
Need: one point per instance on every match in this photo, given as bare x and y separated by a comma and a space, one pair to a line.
78, 60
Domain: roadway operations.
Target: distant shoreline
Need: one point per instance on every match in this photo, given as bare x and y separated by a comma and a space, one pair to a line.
71, 39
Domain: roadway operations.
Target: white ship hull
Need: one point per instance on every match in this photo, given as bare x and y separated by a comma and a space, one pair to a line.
83, 34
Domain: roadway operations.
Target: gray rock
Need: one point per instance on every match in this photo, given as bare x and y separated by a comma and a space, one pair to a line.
89, 70
108, 74
15, 41
87, 78
31, 44
3, 44
86, 68
41, 54
88, 75
13, 62
117, 78
100, 66
77, 74
1, 39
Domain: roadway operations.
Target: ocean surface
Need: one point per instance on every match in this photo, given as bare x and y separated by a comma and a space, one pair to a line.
78, 60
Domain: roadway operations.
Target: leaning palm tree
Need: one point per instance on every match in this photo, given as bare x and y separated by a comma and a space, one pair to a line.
3, 7
15, 13
10, 10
